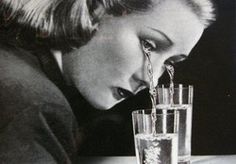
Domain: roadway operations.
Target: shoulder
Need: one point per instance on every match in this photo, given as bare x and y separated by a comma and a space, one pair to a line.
35, 116
20, 72
23, 84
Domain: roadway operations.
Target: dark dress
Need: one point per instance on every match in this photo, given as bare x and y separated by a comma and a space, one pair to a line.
37, 124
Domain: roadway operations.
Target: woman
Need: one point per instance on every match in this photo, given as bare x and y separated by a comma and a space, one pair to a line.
95, 47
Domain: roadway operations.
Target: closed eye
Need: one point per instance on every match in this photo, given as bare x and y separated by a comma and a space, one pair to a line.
175, 59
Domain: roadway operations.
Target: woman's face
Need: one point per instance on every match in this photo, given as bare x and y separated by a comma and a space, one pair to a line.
112, 66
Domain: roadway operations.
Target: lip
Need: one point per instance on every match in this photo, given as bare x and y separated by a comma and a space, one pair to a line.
121, 93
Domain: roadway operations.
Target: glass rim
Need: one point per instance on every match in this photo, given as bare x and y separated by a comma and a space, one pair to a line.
176, 86
149, 112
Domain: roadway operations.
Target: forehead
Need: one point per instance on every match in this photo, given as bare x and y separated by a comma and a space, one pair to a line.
175, 19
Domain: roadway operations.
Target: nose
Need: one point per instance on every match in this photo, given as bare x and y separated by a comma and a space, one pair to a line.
141, 79
138, 83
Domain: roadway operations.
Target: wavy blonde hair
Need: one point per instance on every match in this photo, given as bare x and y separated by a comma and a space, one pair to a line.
75, 20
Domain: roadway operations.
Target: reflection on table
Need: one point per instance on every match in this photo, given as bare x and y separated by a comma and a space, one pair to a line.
220, 159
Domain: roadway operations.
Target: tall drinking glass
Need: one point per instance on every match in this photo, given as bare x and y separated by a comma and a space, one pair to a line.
182, 101
160, 147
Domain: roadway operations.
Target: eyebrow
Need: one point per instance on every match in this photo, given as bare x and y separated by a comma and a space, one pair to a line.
163, 34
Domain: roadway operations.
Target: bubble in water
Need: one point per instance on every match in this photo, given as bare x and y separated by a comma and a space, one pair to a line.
152, 155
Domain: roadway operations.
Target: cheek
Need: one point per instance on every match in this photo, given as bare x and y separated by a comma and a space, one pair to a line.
120, 48
126, 53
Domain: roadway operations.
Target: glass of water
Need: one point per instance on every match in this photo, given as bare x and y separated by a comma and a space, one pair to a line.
182, 100
159, 146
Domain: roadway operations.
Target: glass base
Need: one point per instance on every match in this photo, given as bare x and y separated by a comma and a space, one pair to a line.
184, 160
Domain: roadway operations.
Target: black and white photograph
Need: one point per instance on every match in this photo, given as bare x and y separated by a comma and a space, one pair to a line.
117, 81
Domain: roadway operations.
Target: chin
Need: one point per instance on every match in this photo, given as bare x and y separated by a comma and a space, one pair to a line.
102, 105
100, 99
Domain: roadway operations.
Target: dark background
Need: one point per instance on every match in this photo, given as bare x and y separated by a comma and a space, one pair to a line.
210, 68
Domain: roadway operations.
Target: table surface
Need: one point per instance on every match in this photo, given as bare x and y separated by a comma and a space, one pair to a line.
219, 159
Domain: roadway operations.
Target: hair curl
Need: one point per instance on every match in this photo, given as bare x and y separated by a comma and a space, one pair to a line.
69, 23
